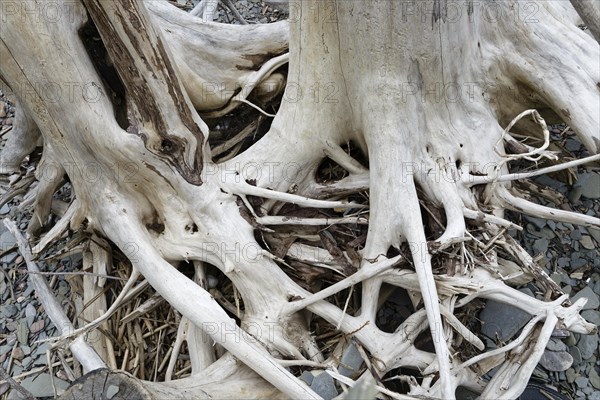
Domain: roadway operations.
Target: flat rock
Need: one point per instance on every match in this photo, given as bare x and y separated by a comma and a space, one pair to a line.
538, 222
9, 311
576, 354
4, 210
588, 344
307, 377
7, 240
324, 386
587, 292
41, 386
591, 316
581, 381
589, 183
595, 233
556, 345
351, 362
30, 313
594, 378
556, 360
587, 242
540, 246
501, 320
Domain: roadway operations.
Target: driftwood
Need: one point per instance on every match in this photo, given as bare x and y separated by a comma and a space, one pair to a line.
430, 96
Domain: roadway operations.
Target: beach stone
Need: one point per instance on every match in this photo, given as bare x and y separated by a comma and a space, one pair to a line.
591, 316
594, 378
556, 345
587, 292
587, 242
351, 362
581, 381
41, 386
307, 377
590, 185
556, 360
502, 320
576, 354
588, 344
9, 311
324, 386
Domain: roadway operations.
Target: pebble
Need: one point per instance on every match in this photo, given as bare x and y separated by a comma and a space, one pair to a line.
41, 386
324, 386
594, 378
538, 222
502, 320
595, 233
351, 362
556, 345
587, 292
589, 183
9, 311
591, 316
30, 313
307, 377
541, 246
576, 354
571, 375
18, 353
556, 360
588, 344
37, 326
581, 381
22, 332
587, 242
4, 209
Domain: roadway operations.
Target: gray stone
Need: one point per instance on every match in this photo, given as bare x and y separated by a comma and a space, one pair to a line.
563, 262
591, 316
4, 209
324, 386
547, 233
576, 234
594, 378
576, 354
590, 185
9, 311
582, 381
556, 360
556, 345
30, 313
7, 240
41, 386
588, 344
538, 222
595, 233
587, 242
578, 262
540, 246
587, 292
307, 377
594, 396
351, 362
571, 375
503, 321
22, 332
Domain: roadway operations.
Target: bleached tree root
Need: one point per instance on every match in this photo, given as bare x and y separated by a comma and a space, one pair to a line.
180, 206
